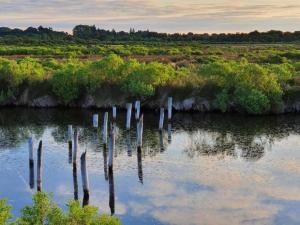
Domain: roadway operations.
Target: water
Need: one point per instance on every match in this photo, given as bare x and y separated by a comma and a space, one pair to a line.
211, 168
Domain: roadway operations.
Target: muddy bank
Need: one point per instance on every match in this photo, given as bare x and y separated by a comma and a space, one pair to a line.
106, 97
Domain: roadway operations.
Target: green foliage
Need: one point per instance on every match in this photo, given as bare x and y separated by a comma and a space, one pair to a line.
247, 82
44, 211
227, 74
253, 101
4, 212
222, 100
147, 77
68, 80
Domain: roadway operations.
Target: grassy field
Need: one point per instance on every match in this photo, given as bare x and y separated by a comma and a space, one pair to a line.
254, 78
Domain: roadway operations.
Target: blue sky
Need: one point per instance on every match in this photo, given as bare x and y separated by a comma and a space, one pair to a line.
164, 16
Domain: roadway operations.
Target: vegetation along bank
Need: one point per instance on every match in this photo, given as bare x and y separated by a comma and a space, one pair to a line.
250, 79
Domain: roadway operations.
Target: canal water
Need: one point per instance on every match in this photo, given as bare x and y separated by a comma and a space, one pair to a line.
203, 169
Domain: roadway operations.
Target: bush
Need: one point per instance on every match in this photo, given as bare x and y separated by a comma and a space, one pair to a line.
246, 82
67, 82
253, 101
44, 211
4, 212
147, 77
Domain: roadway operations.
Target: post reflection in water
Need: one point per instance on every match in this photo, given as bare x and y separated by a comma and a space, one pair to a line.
183, 179
140, 165
31, 174
111, 190
161, 141
105, 161
128, 143
169, 133
75, 181
86, 199
70, 151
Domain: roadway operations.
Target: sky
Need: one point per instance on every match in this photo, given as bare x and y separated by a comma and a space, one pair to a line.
198, 16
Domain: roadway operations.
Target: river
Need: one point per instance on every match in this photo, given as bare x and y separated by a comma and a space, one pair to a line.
203, 169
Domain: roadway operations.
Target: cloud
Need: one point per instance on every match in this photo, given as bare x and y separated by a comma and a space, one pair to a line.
167, 15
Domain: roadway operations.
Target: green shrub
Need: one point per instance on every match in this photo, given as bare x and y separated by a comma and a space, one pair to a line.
67, 82
44, 211
253, 101
5, 214
147, 77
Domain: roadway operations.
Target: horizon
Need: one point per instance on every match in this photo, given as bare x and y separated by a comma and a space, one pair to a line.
71, 32
168, 16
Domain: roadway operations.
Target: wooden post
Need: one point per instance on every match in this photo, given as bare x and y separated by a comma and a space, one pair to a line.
39, 166
137, 109
161, 118
169, 132
128, 118
111, 192
114, 112
104, 133
95, 120
139, 132
170, 106
31, 163
111, 148
75, 146
85, 179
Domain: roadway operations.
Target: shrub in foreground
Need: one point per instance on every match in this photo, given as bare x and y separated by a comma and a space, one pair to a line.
44, 211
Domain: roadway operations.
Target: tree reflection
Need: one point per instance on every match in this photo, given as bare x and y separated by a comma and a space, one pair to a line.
205, 134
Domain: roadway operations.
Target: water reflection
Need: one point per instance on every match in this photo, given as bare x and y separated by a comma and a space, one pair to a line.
231, 132
216, 169
31, 174
140, 165
111, 191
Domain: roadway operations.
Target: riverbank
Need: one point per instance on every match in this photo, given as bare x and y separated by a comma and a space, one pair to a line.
216, 84
106, 97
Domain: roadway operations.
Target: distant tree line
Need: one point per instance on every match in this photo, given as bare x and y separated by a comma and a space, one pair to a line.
91, 34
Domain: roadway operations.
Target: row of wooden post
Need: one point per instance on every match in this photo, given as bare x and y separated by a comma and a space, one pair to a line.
111, 146
137, 107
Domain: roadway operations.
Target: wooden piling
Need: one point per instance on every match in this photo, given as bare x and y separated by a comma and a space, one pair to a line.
128, 117
114, 112
161, 118
39, 166
104, 133
95, 120
137, 109
85, 179
170, 107
75, 146
139, 132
